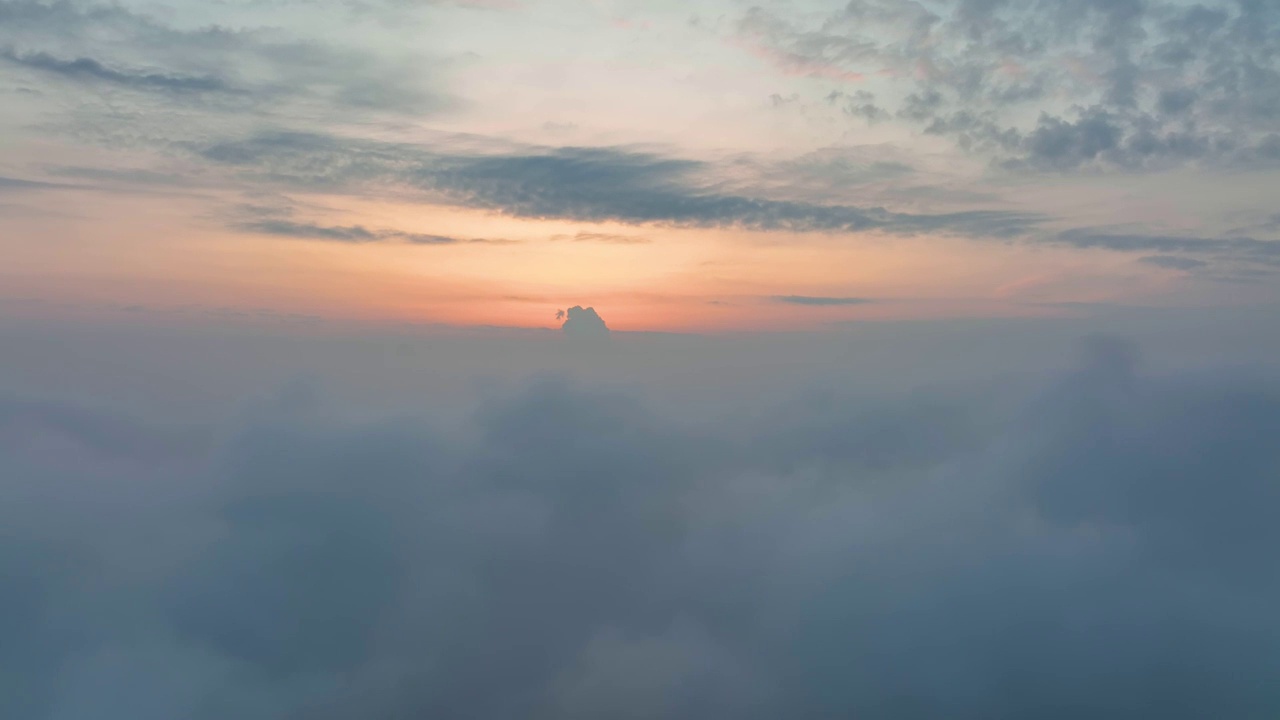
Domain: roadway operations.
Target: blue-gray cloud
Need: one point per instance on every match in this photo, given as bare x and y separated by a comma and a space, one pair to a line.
92, 70
1243, 249
1133, 83
607, 238
1174, 262
1104, 550
584, 184
637, 187
15, 184
582, 323
255, 70
349, 233
820, 301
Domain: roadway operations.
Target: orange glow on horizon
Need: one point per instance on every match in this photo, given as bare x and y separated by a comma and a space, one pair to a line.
513, 272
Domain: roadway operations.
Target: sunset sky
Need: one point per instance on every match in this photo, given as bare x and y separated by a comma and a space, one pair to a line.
707, 166
639, 359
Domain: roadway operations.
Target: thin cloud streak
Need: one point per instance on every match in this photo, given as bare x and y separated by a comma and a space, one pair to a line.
84, 68
815, 301
351, 233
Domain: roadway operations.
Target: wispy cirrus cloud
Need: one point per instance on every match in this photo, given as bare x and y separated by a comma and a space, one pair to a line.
350, 233
1173, 262
88, 69
1226, 259
14, 184
1237, 248
607, 238
258, 69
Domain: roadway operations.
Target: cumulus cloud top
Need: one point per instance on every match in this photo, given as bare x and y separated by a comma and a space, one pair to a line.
580, 322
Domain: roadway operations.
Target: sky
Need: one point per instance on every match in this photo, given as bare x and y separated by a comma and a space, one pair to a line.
577, 359
686, 167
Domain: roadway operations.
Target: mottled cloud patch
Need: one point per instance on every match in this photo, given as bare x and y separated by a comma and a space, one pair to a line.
1055, 85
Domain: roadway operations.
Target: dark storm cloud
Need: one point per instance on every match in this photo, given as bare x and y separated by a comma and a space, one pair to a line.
1105, 551
819, 301
584, 184
1135, 84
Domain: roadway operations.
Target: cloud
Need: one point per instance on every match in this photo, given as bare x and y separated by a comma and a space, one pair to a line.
829, 174
400, 12
8, 184
90, 69
580, 322
1240, 249
254, 70
1174, 262
1270, 224
645, 188
608, 238
110, 177
1134, 85
583, 184
288, 228
819, 301
349, 233
860, 104
1103, 548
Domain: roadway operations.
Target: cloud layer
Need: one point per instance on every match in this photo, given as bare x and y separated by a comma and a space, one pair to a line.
1103, 550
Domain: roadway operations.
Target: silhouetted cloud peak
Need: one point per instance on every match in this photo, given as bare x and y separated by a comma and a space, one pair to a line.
580, 322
